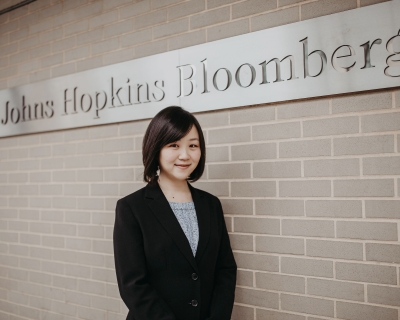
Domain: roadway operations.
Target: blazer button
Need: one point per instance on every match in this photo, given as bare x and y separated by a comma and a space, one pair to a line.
195, 276
194, 303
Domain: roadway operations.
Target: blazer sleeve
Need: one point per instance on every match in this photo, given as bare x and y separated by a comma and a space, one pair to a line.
140, 297
225, 277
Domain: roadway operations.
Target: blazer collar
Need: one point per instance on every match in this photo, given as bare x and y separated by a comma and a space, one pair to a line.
160, 207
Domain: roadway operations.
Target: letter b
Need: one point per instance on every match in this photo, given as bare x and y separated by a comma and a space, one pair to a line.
306, 55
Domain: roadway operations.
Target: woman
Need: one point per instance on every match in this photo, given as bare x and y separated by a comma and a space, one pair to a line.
172, 252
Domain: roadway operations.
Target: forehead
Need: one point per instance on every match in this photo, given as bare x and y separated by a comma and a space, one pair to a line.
192, 135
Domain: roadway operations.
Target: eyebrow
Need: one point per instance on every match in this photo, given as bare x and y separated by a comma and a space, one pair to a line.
189, 140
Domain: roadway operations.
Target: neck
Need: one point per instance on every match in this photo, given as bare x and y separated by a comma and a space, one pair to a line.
173, 189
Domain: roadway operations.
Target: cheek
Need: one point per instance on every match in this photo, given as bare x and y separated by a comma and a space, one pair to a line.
197, 155
167, 156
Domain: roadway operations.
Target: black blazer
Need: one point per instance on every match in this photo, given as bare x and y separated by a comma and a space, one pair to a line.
158, 276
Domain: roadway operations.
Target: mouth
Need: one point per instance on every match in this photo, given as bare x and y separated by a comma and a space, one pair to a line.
182, 166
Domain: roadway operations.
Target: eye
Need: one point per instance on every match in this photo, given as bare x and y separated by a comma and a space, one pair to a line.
173, 144
194, 145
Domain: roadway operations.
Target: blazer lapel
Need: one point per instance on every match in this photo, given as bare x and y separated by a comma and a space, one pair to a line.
160, 207
203, 219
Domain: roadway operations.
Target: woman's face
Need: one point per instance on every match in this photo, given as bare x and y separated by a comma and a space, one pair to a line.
183, 152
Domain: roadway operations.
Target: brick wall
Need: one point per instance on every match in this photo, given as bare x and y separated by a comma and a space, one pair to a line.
310, 189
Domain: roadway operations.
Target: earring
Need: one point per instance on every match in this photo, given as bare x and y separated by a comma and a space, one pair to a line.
158, 171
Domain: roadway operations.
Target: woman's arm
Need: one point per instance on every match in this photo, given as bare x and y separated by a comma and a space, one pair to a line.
141, 299
225, 277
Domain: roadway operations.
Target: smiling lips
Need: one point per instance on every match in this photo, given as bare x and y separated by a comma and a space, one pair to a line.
182, 166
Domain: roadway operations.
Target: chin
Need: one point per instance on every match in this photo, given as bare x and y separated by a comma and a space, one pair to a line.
182, 177
179, 177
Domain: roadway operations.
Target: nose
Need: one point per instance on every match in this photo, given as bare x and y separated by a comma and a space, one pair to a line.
184, 154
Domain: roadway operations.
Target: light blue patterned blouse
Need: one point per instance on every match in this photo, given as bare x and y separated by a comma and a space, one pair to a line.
186, 215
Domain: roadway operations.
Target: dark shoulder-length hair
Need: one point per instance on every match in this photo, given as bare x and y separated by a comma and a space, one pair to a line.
169, 125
